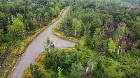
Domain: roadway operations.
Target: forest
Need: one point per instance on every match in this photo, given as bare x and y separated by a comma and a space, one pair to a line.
107, 34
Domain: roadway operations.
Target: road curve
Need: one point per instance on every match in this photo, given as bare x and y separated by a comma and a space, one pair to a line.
36, 47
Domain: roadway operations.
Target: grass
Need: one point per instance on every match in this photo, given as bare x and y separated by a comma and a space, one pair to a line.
62, 36
20, 49
38, 61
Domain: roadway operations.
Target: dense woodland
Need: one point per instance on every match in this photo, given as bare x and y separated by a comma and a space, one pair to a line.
110, 30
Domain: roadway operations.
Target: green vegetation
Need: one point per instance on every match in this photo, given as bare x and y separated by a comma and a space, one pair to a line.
106, 32
62, 63
20, 22
109, 31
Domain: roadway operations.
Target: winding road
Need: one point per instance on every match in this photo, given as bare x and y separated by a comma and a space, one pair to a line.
36, 48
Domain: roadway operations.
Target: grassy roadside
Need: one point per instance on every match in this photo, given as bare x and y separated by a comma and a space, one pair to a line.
22, 44
39, 61
56, 31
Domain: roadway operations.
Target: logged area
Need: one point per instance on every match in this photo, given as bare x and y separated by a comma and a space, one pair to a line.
89, 39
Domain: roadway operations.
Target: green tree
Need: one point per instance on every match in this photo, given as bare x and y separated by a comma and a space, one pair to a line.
36, 72
111, 46
99, 71
46, 17
76, 70
3, 21
96, 40
136, 28
121, 31
17, 28
57, 10
48, 44
97, 21
52, 13
1, 35
60, 73
77, 26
